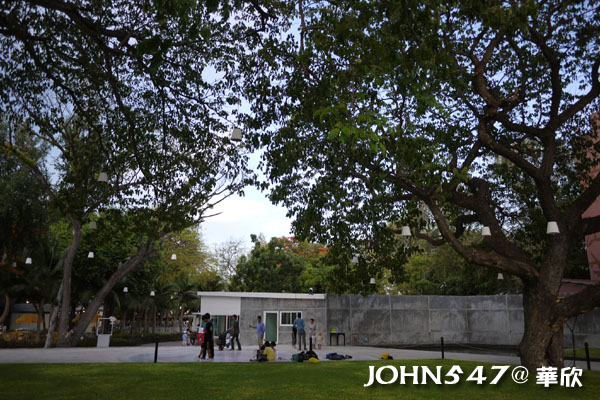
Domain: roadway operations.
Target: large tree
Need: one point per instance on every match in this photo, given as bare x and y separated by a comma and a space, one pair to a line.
225, 257
282, 265
140, 91
24, 217
477, 110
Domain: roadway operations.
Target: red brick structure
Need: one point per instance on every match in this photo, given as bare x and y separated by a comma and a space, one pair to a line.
592, 242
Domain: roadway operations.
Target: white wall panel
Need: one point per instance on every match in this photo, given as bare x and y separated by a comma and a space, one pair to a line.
218, 305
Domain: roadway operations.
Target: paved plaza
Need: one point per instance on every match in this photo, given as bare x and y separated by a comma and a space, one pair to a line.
171, 352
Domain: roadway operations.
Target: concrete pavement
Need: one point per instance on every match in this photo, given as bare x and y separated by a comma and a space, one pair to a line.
172, 352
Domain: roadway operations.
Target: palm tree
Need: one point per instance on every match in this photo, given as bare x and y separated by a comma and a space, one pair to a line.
40, 280
185, 296
163, 300
5, 289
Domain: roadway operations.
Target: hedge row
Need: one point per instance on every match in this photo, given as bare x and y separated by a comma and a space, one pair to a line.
117, 339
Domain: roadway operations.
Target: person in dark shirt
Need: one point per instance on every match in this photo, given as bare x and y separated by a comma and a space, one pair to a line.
235, 333
294, 335
208, 345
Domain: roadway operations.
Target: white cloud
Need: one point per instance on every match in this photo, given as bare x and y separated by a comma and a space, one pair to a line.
242, 216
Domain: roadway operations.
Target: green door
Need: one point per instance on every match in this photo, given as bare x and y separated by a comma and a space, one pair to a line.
271, 326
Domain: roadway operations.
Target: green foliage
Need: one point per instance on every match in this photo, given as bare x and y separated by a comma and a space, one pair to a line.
283, 265
385, 108
24, 211
116, 340
134, 90
174, 282
125, 339
442, 271
193, 261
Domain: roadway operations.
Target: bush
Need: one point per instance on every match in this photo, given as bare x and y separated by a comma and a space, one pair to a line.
117, 340
124, 339
20, 344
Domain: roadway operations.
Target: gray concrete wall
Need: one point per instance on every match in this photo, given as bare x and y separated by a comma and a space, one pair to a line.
409, 320
251, 307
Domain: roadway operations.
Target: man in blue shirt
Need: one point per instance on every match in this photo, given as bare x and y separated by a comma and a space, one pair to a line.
299, 324
260, 330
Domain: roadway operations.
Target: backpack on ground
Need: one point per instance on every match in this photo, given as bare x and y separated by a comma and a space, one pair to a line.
309, 354
335, 356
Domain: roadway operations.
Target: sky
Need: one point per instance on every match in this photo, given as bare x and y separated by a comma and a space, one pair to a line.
242, 216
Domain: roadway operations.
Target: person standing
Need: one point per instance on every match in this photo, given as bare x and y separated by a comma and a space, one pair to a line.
260, 330
299, 324
208, 345
312, 331
209, 331
202, 354
199, 335
294, 335
319, 340
235, 333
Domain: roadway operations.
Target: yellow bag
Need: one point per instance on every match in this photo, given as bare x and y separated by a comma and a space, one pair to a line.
313, 360
385, 356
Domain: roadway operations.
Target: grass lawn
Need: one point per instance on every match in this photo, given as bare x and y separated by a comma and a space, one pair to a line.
594, 353
198, 381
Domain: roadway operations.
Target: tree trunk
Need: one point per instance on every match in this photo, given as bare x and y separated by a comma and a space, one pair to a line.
146, 320
124, 320
6, 308
134, 322
542, 343
131, 264
556, 352
132, 325
64, 336
53, 318
108, 311
43, 316
40, 316
180, 319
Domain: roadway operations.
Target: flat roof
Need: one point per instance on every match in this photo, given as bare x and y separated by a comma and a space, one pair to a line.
298, 296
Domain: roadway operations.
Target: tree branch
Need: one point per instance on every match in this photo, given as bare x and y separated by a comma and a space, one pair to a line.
492, 260
580, 302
